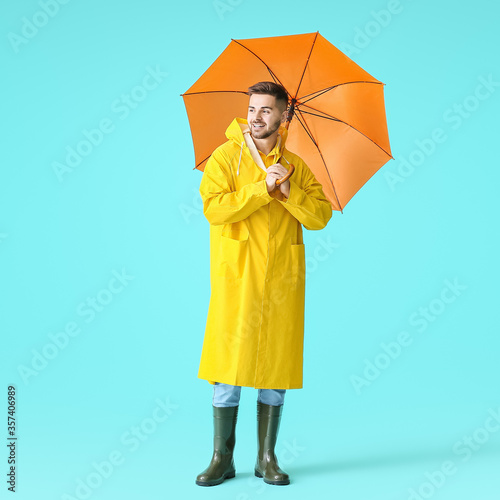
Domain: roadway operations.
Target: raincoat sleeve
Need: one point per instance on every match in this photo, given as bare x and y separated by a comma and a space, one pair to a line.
307, 202
221, 203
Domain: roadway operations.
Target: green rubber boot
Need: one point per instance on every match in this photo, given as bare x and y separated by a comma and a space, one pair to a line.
268, 422
221, 466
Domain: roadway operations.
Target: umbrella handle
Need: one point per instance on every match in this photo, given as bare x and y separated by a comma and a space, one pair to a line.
287, 176
258, 160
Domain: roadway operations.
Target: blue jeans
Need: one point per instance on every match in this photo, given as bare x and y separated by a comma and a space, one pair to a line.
229, 395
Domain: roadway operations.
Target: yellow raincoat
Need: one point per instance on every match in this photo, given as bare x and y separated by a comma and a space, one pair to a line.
255, 326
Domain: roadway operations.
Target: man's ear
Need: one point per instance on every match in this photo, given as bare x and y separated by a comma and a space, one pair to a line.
283, 115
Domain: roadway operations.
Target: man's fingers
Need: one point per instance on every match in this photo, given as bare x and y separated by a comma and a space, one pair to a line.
277, 169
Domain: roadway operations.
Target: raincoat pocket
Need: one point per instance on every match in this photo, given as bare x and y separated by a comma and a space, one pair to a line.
233, 255
298, 263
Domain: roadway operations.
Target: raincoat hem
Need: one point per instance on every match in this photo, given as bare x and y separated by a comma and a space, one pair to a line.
285, 387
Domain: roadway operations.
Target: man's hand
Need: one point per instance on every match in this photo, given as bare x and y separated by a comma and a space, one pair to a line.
275, 172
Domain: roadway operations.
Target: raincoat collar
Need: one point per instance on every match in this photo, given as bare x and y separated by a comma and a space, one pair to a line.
235, 133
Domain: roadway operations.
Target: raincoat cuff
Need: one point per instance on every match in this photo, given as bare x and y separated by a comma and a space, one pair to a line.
265, 193
295, 196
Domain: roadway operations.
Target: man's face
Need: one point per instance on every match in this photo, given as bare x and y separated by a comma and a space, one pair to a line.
264, 115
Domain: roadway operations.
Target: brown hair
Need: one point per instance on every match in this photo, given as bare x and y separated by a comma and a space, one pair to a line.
270, 88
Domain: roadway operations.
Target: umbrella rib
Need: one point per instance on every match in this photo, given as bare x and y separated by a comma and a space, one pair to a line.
327, 117
275, 78
309, 133
199, 163
332, 118
317, 94
321, 92
307, 62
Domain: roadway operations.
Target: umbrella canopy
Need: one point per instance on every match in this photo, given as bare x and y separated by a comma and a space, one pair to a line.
337, 112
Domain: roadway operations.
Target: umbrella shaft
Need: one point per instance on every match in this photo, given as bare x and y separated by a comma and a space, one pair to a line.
291, 111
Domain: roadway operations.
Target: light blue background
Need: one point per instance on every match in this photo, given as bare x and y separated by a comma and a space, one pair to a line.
132, 206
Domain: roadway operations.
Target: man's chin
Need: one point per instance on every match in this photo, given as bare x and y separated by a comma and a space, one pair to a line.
260, 134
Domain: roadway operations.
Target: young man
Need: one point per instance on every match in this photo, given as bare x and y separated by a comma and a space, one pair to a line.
255, 325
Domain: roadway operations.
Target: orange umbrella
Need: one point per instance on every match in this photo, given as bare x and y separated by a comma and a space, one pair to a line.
336, 120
